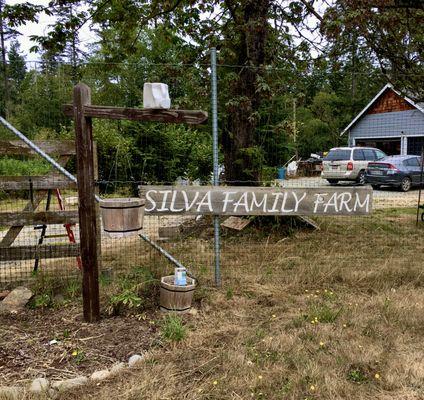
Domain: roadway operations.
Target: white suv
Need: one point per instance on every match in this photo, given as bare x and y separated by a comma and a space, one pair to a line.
348, 163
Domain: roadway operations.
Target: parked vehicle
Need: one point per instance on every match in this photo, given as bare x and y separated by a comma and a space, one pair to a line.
399, 171
348, 163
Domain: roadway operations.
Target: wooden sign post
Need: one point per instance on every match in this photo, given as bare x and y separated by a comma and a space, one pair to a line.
87, 203
83, 111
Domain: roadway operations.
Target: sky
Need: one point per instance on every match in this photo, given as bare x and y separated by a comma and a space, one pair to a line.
42, 28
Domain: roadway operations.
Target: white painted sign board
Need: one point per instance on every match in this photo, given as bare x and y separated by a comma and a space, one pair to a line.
236, 200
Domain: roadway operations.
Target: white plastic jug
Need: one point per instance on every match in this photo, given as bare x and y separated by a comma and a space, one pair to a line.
155, 95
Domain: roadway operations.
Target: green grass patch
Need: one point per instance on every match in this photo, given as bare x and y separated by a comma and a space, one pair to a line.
173, 329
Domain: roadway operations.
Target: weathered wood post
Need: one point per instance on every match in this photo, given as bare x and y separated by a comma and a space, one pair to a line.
87, 203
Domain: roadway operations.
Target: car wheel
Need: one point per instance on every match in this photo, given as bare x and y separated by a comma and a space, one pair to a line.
376, 187
422, 217
361, 178
406, 184
333, 181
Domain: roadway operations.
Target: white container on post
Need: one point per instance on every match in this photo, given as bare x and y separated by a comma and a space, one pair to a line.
155, 95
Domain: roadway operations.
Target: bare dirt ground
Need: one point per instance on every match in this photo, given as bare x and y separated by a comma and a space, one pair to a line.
58, 344
329, 314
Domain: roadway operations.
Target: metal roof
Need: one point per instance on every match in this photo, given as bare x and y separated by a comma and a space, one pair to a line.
419, 106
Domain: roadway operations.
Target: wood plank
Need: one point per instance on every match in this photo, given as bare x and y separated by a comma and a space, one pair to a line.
192, 117
236, 223
236, 200
309, 221
87, 203
38, 218
14, 231
14, 253
51, 147
38, 182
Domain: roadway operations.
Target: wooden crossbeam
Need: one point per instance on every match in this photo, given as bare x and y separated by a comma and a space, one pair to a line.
51, 147
43, 182
38, 218
41, 252
191, 117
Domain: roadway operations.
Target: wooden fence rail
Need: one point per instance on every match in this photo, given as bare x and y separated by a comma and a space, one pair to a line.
16, 253
37, 182
23, 218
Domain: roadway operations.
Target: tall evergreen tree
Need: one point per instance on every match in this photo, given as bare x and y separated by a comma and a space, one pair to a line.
17, 65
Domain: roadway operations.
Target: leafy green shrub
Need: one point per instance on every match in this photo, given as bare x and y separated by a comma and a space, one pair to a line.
127, 298
13, 166
135, 290
41, 301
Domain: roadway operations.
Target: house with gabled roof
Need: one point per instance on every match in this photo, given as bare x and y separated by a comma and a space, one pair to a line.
390, 122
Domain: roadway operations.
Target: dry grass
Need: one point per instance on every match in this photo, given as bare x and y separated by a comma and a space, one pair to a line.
334, 314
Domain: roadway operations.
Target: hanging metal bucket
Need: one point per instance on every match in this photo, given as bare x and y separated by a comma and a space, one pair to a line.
122, 215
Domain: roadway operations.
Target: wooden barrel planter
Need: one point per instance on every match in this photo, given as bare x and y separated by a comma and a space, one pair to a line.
122, 215
176, 298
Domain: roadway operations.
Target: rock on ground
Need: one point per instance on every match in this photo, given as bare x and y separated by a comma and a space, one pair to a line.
100, 375
16, 300
68, 384
134, 360
39, 385
117, 368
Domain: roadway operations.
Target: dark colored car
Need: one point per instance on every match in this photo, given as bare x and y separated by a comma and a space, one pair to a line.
399, 171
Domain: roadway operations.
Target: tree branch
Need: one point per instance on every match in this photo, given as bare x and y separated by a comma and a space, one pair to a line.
311, 9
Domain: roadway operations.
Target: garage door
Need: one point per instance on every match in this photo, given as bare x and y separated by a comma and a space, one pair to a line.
391, 146
415, 145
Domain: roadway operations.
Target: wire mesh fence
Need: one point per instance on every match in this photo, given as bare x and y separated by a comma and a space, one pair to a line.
290, 120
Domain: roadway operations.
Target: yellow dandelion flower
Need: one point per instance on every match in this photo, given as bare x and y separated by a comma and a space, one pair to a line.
325, 290
321, 344
75, 353
215, 382
377, 376
260, 377
312, 388
344, 325
274, 316
312, 322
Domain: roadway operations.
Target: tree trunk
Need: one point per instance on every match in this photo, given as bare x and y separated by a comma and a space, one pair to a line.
242, 158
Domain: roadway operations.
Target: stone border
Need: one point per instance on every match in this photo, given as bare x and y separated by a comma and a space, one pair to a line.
43, 387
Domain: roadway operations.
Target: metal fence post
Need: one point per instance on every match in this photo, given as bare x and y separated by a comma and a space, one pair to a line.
214, 106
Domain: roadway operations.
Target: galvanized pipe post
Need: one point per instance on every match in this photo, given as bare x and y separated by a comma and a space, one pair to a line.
214, 107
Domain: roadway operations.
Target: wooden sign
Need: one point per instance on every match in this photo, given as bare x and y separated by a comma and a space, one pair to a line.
235, 200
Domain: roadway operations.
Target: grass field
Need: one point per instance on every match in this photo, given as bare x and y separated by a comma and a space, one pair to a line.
330, 314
